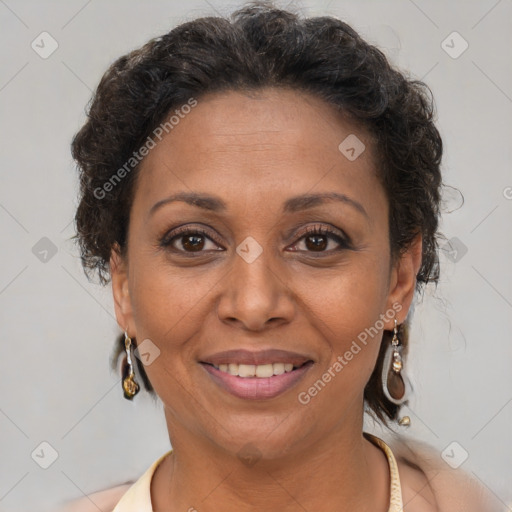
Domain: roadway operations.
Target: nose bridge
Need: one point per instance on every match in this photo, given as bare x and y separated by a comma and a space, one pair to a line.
255, 292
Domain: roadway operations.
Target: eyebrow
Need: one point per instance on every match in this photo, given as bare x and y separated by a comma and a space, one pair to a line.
292, 205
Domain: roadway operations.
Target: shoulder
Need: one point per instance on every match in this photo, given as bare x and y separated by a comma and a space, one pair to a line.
104, 500
429, 484
417, 493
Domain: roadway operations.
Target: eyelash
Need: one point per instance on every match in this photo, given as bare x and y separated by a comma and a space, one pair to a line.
167, 240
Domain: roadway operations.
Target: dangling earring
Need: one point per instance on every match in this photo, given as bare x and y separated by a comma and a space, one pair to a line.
130, 386
393, 383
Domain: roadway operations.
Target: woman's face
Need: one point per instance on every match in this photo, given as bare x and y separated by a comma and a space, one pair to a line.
230, 275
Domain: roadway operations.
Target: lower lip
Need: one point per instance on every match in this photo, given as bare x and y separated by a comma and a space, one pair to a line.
257, 388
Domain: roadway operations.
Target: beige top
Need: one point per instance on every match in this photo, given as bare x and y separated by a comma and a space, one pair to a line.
395, 489
138, 497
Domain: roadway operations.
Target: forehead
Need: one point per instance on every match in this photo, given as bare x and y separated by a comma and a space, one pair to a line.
275, 116
272, 140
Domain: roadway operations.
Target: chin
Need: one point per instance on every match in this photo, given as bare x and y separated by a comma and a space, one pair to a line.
269, 438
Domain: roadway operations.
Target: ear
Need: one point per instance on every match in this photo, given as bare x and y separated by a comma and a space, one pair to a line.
402, 281
120, 290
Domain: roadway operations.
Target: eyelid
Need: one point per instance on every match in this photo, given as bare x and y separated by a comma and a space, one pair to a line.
323, 229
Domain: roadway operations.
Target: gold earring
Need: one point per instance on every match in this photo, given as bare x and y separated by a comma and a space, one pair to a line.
130, 386
392, 381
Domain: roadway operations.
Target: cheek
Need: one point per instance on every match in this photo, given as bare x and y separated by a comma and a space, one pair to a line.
348, 299
164, 306
166, 299
346, 308
169, 308
348, 321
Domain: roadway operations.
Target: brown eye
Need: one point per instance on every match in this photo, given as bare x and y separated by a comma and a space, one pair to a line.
320, 238
192, 242
319, 242
189, 240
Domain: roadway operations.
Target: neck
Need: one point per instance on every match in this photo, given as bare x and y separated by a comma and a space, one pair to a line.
340, 472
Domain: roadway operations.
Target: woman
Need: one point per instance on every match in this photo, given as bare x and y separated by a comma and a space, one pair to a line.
263, 193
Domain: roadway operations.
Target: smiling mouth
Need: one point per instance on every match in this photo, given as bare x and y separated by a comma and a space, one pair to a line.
257, 371
257, 381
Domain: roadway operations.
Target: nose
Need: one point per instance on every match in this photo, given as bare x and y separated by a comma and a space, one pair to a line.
256, 295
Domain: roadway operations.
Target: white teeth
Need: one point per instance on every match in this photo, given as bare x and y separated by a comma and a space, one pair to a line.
264, 370
246, 370
251, 370
278, 368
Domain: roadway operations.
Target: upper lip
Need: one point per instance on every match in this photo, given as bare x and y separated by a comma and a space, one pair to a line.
259, 357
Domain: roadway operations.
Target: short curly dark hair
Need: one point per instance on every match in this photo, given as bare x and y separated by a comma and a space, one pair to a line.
262, 46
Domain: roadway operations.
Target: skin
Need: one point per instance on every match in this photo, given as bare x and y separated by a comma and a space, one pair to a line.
255, 151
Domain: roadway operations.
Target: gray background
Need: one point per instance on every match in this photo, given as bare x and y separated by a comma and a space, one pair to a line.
57, 329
